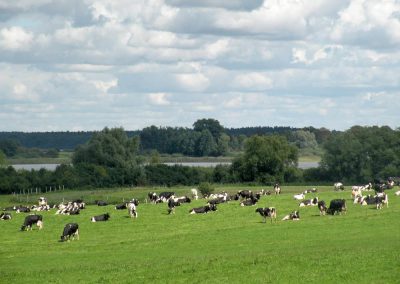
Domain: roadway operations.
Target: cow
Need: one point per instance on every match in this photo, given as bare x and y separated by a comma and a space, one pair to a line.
70, 230
311, 190
42, 201
338, 186
99, 218
10, 208
377, 200
204, 209
217, 200
295, 216
152, 197
356, 192
245, 193
120, 206
277, 189
337, 206
194, 192
5, 216
249, 202
322, 207
300, 196
397, 193
309, 202
30, 220
172, 204
182, 199
101, 203
166, 194
23, 209
267, 212
132, 210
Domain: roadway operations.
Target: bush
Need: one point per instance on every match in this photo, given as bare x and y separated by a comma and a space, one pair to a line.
206, 188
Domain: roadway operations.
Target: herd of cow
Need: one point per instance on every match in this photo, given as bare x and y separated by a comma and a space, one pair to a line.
245, 198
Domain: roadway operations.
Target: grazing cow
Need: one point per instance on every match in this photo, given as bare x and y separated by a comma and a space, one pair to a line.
132, 210
172, 204
101, 203
300, 196
70, 230
204, 209
322, 207
152, 197
30, 220
397, 193
120, 206
309, 202
277, 189
99, 218
249, 202
338, 186
337, 206
267, 212
356, 192
245, 193
194, 192
182, 199
295, 216
5, 216
166, 194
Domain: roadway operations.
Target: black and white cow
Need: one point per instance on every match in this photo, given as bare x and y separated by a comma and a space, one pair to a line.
10, 208
277, 189
338, 186
249, 202
23, 209
166, 194
42, 201
322, 207
132, 211
5, 216
204, 209
152, 197
311, 190
295, 216
267, 212
245, 193
182, 199
337, 206
377, 200
172, 204
30, 220
70, 230
309, 202
99, 218
120, 206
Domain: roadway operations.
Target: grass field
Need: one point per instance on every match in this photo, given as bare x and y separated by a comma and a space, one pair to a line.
230, 245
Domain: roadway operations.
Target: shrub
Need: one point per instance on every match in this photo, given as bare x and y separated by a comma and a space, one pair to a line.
206, 188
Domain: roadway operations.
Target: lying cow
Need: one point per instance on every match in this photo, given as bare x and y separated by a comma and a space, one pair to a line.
300, 196
23, 209
249, 202
70, 230
99, 218
295, 216
397, 193
337, 206
204, 209
338, 186
5, 216
377, 200
120, 206
309, 202
101, 203
30, 220
322, 207
311, 190
267, 212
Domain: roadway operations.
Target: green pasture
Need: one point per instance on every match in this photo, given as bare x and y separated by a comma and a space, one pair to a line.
231, 245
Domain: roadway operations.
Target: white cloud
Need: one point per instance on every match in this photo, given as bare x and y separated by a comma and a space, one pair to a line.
195, 82
159, 99
15, 38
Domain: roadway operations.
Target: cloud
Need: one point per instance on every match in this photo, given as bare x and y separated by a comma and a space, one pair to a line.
15, 38
159, 99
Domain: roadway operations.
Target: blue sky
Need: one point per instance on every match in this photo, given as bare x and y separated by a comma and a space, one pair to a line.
86, 64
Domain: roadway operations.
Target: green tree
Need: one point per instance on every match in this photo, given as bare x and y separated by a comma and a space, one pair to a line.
209, 124
266, 159
3, 159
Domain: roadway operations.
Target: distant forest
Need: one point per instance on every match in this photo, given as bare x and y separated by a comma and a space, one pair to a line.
207, 137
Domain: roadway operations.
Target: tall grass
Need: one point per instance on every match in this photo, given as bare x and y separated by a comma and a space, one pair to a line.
231, 245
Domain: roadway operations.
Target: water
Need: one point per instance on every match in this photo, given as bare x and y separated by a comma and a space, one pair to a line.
52, 167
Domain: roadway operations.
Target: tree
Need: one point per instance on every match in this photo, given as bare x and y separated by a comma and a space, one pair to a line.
9, 147
209, 124
3, 159
266, 159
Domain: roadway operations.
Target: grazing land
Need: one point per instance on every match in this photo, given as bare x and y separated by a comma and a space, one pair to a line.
231, 245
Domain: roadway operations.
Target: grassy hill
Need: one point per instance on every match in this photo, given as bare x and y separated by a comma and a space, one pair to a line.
230, 245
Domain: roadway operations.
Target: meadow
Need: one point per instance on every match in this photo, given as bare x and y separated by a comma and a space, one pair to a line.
231, 245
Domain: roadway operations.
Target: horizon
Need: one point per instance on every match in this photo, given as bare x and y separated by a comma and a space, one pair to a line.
71, 65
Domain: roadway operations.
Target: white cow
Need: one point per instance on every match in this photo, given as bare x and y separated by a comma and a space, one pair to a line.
300, 196
338, 186
194, 193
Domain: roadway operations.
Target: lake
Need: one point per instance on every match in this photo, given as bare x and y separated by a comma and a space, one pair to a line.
52, 167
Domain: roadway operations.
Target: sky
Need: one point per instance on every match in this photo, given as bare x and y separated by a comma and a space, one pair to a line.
88, 64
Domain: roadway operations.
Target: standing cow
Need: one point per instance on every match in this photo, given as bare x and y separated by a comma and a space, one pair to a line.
30, 220
70, 230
